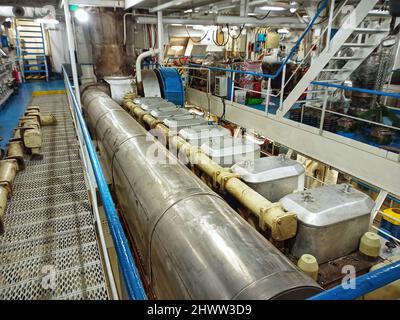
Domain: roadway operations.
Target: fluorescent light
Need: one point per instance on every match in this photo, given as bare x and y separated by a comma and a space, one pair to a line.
188, 11
176, 24
81, 15
270, 8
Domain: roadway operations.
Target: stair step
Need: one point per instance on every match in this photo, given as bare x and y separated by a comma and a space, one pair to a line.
30, 37
32, 31
346, 58
309, 100
381, 14
369, 30
336, 70
357, 45
316, 91
329, 81
34, 71
35, 65
33, 42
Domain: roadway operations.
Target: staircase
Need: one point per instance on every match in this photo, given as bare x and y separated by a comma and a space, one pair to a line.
31, 50
362, 30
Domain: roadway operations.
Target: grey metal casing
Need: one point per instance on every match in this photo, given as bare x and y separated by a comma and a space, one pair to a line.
197, 135
272, 177
169, 112
192, 243
178, 122
226, 151
331, 220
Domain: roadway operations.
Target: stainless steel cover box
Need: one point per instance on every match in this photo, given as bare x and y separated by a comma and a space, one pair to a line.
148, 100
178, 122
332, 220
272, 177
197, 135
162, 113
226, 151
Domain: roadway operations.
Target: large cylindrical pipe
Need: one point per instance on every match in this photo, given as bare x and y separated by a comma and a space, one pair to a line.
192, 243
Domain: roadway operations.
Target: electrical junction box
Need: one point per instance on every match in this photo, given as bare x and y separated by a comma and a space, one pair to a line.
221, 86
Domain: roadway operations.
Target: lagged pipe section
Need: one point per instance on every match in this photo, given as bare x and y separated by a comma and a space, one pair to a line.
193, 245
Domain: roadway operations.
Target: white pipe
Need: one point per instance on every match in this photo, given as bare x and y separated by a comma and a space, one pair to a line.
126, 14
151, 52
71, 47
160, 34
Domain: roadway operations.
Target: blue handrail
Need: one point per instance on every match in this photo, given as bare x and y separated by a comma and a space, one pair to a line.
285, 62
133, 284
338, 86
363, 284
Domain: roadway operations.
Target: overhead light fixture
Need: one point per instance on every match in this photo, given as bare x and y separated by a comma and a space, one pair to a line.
188, 11
272, 8
176, 24
82, 15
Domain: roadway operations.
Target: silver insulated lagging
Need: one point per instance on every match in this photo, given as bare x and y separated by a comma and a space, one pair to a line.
192, 243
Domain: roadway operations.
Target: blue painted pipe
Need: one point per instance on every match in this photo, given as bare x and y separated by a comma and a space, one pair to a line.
133, 284
338, 86
363, 284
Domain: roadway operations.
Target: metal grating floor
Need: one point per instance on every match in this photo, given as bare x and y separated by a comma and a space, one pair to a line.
49, 249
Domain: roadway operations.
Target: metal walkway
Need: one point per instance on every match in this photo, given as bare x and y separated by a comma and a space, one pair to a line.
49, 249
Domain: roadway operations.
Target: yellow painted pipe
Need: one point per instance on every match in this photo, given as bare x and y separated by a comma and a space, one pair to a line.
282, 225
8, 171
15, 151
4, 193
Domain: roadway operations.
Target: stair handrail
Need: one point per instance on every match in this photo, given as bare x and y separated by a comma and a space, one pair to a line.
130, 274
316, 43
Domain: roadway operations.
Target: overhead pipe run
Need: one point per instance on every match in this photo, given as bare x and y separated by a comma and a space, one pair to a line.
282, 225
192, 243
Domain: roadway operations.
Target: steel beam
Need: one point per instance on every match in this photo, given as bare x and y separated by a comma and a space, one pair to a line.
168, 5
99, 3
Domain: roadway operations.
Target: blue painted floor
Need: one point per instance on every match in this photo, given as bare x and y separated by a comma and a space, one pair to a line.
14, 108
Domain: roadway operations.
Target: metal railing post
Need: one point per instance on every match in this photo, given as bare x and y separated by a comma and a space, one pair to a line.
378, 204
233, 86
321, 125
282, 87
328, 34
268, 97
